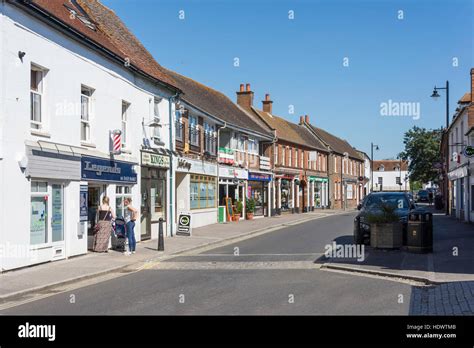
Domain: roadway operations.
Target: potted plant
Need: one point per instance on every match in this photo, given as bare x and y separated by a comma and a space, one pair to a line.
386, 230
238, 210
250, 208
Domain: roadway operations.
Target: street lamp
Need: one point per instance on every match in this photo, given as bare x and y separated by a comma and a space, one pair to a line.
435, 96
372, 147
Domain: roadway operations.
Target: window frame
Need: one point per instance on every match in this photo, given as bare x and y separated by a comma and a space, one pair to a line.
86, 122
39, 93
124, 123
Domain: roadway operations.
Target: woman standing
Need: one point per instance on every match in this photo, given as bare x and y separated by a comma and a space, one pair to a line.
103, 229
130, 217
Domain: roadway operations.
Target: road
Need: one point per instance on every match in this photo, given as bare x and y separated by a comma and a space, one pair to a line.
272, 274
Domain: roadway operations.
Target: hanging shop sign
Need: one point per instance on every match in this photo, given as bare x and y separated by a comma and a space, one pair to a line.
233, 173
184, 225
259, 177
154, 160
469, 151
101, 169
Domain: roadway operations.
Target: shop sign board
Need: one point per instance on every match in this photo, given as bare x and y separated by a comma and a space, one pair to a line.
101, 169
155, 160
318, 179
259, 177
233, 173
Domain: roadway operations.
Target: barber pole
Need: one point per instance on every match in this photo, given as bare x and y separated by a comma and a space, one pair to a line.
116, 141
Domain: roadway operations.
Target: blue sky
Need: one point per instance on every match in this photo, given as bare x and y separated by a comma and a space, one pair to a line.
300, 61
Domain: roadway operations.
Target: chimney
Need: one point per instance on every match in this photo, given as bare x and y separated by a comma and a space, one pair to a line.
245, 97
267, 104
306, 118
301, 120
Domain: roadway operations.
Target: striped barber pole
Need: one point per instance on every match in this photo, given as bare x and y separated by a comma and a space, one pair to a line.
116, 141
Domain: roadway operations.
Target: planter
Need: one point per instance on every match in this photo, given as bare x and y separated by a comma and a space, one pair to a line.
386, 235
236, 218
249, 216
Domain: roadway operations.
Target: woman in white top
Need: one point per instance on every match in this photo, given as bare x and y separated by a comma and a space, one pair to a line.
130, 215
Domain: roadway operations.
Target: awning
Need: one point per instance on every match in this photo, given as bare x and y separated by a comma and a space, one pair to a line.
458, 173
52, 161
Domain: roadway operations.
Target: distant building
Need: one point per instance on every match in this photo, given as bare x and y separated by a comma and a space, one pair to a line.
390, 175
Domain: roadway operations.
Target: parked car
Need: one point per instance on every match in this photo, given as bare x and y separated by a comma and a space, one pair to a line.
372, 204
423, 196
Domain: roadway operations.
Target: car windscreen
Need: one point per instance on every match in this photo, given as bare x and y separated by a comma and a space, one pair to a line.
395, 200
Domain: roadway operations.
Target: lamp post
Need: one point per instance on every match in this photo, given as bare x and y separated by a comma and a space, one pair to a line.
436, 95
372, 147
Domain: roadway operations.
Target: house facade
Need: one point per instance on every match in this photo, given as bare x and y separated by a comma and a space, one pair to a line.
66, 91
391, 175
219, 147
460, 137
345, 170
298, 158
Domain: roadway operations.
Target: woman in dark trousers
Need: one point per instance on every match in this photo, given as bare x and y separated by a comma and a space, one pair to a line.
130, 216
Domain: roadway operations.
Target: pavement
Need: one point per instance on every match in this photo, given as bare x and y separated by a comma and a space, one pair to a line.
452, 259
20, 284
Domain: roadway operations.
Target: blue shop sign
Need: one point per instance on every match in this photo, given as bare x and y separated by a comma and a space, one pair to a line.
259, 177
101, 169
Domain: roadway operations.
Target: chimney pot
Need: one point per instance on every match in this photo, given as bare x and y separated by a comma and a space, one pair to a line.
301, 120
247, 87
267, 97
306, 118
241, 87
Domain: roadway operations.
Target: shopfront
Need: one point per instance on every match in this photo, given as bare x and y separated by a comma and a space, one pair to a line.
105, 177
258, 189
153, 178
459, 178
286, 187
196, 191
232, 184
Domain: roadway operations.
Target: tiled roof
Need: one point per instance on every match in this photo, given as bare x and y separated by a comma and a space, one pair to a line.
217, 104
390, 165
338, 145
291, 132
107, 31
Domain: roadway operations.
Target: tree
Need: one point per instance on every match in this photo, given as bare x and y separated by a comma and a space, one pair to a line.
422, 152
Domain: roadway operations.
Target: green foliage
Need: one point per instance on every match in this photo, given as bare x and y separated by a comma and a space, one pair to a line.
387, 215
422, 152
239, 207
416, 185
250, 205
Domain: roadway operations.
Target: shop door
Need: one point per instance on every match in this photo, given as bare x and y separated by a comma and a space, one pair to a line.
57, 220
94, 198
145, 210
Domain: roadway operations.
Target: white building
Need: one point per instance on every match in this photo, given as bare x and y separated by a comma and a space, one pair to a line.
64, 87
367, 173
461, 164
390, 175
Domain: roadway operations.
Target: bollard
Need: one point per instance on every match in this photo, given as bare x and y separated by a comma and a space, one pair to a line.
161, 242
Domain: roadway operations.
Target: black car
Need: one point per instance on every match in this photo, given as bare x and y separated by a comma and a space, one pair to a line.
423, 196
372, 204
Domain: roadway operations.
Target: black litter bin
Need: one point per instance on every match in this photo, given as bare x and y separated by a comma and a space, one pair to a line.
420, 232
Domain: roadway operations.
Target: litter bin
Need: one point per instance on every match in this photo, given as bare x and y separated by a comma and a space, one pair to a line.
438, 202
420, 232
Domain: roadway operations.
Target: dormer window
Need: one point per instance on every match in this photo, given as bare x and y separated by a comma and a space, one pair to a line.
381, 168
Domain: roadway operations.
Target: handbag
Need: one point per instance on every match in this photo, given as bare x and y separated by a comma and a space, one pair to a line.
96, 227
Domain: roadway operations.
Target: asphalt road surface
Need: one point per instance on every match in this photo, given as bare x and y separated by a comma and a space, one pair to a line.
274, 273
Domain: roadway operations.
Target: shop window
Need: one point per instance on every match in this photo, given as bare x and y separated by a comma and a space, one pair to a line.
349, 191
202, 192
39, 213
121, 192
